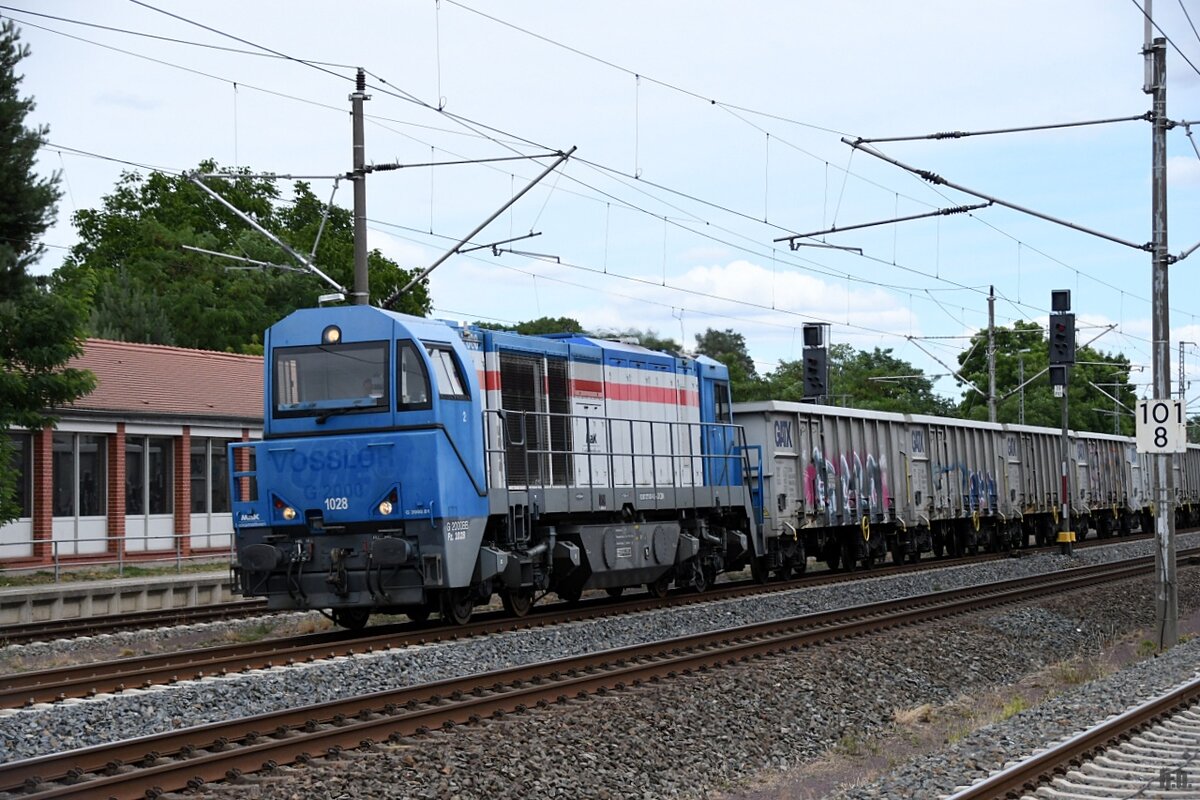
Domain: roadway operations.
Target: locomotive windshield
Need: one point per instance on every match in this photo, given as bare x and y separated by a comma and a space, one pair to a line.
313, 380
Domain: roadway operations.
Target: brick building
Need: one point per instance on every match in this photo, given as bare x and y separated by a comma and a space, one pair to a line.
138, 466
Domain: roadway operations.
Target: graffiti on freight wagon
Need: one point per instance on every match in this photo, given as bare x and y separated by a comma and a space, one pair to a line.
849, 488
977, 487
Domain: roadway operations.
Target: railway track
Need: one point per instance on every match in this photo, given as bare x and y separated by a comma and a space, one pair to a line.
151, 765
89, 680
84, 680
1152, 750
26, 633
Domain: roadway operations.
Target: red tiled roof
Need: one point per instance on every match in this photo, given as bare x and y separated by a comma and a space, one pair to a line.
173, 381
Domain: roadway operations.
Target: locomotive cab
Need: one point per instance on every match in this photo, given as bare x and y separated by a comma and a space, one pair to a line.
366, 492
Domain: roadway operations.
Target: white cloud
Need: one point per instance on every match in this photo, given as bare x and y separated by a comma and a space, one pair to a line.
1183, 171
130, 101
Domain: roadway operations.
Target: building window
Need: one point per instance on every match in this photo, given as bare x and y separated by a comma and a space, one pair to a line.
21, 460
135, 479
210, 476
149, 470
79, 474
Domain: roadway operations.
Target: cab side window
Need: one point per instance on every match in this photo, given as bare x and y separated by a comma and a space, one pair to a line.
724, 412
412, 379
447, 375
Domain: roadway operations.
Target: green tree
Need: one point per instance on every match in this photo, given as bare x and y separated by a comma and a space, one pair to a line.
538, 326
39, 331
728, 347
873, 379
1023, 350
646, 338
148, 288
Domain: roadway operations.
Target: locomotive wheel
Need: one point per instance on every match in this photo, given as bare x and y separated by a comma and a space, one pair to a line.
615, 591
660, 587
353, 619
517, 602
420, 614
457, 606
703, 577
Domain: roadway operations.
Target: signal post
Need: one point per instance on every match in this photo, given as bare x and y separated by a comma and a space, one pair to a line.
1062, 358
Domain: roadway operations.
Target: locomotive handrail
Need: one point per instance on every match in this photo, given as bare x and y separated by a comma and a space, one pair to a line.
618, 446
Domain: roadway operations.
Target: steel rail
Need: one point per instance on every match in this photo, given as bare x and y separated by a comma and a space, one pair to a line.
1025, 776
87, 680
26, 632
83, 680
194, 756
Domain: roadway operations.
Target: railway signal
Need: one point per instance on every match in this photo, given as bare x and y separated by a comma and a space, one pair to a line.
816, 363
1062, 339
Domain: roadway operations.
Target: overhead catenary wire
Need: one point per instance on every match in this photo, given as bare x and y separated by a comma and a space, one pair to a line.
574, 266
997, 131
840, 276
876, 283
1139, 7
375, 118
733, 107
939, 180
171, 39
642, 75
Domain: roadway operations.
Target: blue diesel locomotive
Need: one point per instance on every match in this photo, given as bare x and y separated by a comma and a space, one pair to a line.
412, 465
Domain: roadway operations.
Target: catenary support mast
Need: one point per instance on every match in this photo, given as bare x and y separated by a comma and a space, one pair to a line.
361, 293
1166, 605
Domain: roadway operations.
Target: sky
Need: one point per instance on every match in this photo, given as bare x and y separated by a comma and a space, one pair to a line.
704, 132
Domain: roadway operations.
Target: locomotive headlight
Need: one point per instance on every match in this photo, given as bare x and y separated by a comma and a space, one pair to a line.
289, 513
385, 508
331, 335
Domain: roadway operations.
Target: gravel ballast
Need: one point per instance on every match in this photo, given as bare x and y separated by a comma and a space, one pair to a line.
676, 739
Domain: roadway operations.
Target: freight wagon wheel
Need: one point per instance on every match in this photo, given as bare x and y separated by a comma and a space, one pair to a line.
354, 619
660, 587
457, 606
615, 591
420, 614
849, 554
833, 556
758, 569
517, 602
